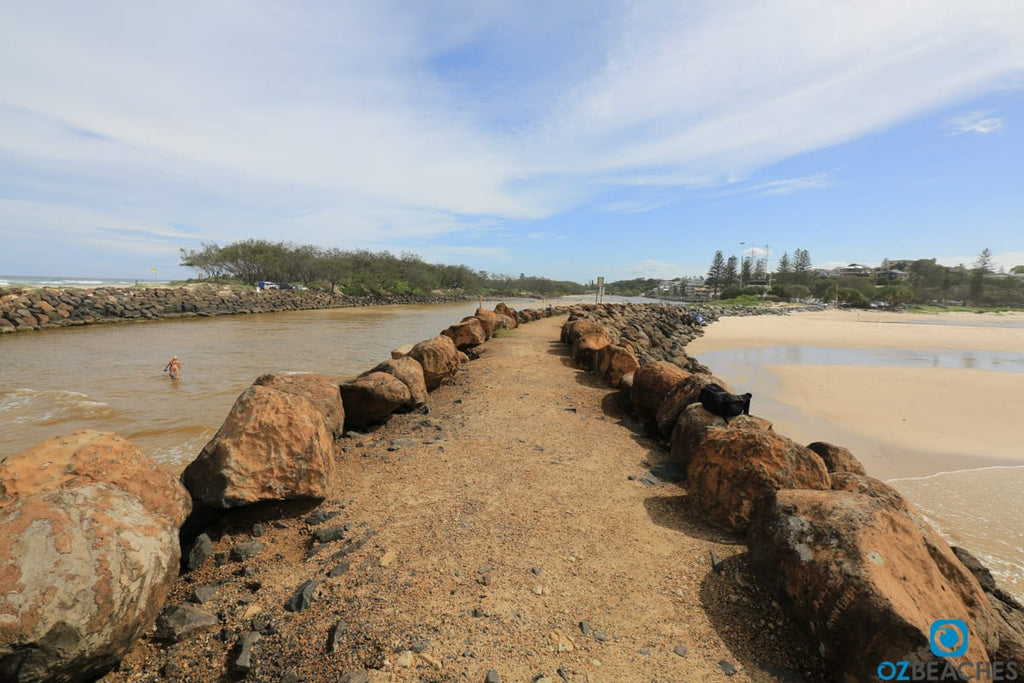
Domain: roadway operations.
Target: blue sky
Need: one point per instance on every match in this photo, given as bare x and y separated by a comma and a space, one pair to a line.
566, 139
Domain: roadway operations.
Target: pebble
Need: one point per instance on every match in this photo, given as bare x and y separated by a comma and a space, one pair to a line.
492, 677
680, 650
172, 670
334, 636
290, 676
203, 594
404, 660
302, 597
585, 628
199, 552
242, 660
358, 676
420, 645
536, 570
321, 516
727, 668
331, 534
485, 569
241, 552
258, 529
178, 622
339, 569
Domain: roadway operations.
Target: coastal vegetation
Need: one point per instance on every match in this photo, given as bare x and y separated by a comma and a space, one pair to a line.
357, 272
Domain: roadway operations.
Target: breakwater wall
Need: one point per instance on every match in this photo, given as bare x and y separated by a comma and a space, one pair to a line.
33, 309
877, 589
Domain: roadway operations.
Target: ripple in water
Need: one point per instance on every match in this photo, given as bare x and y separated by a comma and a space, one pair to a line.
47, 407
979, 510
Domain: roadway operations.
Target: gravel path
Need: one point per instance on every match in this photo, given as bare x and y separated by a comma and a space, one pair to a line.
516, 530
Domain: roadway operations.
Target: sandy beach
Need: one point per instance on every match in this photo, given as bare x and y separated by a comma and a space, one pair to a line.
901, 421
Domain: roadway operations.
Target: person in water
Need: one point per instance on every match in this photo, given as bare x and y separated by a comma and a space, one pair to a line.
174, 367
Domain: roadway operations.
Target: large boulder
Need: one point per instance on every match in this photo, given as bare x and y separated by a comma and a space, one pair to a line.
870, 581
321, 390
371, 398
682, 394
690, 429
466, 334
574, 329
488, 319
837, 458
585, 348
410, 372
733, 472
273, 445
88, 553
503, 322
439, 359
502, 309
613, 362
650, 385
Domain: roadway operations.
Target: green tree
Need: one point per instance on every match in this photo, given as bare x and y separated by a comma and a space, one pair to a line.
716, 273
982, 268
801, 266
783, 270
731, 276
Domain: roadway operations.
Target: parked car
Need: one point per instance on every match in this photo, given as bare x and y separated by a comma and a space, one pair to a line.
288, 285
267, 285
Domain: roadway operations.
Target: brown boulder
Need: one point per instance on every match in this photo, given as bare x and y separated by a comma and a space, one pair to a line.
690, 430
410, 372
869, 581
321, 390
272, 446
467, 334
88, 554
650, 385
585, 348
749, 422
682, 394
438, 358
502, 309
401, 351
613, 362
372, 397
733, 472
837, 458
488, 319
503, 322
574, 329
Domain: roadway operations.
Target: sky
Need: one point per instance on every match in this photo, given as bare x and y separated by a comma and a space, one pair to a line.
563, 139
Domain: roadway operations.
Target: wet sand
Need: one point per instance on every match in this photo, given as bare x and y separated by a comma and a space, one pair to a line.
903, 421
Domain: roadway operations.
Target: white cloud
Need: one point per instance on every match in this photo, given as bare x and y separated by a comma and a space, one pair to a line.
974, 122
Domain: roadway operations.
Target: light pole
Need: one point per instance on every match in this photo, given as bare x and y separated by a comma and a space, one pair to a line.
740, 264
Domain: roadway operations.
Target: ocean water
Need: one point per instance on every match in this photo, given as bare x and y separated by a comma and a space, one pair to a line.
48, 281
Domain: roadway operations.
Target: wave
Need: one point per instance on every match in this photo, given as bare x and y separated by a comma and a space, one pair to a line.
936, 475
50, 406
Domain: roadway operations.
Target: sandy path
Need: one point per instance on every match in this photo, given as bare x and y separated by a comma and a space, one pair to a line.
523, 515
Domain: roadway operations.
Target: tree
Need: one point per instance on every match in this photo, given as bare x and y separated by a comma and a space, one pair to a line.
1017, 270
982, 267
731, 276
783, 270
801, 266
716, 273
746, 271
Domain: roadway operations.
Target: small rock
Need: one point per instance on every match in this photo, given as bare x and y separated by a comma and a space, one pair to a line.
331, 534
716, 564
241, 661
289, 676
420, 645
404, 660
650, 480
536, 570
727, 668
485, 569
358, 676
302, 597
172, 670
200, 551
643, 651
680, 650
179, 622
203, 594
339, 569
562, 674
258, 529
600, 637
320, 516
492, 677
479, 613
241, 552
585, 628
334, 636
388, 558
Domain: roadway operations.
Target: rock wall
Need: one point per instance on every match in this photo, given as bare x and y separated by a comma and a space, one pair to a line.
33, 309
851, 560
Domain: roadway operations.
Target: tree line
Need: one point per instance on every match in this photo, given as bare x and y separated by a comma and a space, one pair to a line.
356, 272
894, 283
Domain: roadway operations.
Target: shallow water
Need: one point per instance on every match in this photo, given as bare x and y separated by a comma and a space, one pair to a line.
980, 509
110, 377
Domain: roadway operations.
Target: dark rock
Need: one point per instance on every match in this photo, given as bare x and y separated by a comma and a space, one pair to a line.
178, 622
203, 594
320, 516
200, 551
331, 534
727, 668
492, 677
241, 656
680, 650
357, 676
302, 597
338, 569
241, 552
334, 636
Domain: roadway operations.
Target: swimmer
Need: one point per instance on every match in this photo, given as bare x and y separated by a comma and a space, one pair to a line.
174, 367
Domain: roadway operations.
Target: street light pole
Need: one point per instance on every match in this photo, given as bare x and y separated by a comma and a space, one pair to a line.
742, 258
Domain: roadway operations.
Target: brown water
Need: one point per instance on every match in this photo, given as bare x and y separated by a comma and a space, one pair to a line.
110, 377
